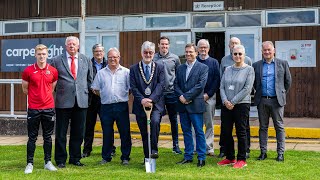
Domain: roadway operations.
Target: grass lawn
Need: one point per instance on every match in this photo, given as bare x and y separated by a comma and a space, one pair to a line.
297, 165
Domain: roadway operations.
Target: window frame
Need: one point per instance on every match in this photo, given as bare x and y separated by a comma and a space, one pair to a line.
60, 21
41, 21
186, 15
210, 14
247, 13
118, 19
316, 14
126, 30
15, 22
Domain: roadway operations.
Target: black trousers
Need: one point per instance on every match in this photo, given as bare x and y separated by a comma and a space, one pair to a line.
154, 127
170, 103
222, 139
76, 117
34, 119
238, 116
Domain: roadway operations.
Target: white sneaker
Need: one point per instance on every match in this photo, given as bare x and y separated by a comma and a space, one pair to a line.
49, 166
29, 168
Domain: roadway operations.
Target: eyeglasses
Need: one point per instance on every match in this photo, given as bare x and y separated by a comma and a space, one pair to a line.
148, 52
235, 54
116, 57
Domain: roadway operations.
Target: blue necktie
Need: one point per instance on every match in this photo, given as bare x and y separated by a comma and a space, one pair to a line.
147, 73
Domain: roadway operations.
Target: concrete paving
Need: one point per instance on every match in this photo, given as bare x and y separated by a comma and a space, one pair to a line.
297, 144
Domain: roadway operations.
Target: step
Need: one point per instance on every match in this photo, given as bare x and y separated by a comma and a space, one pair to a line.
291, 132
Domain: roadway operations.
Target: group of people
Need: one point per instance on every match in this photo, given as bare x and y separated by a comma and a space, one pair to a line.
86, 88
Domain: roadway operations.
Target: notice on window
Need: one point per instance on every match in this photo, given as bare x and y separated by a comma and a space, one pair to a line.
300, 53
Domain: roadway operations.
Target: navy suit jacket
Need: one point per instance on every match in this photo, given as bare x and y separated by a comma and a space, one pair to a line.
192, 89
282, 80
138, 87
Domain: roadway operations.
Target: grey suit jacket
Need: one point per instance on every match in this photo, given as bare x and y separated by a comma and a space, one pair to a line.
67, 88
282, 80
192, 89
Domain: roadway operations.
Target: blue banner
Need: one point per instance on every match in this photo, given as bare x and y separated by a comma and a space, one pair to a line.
17, 54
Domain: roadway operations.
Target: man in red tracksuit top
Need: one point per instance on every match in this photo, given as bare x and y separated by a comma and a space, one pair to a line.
38, 82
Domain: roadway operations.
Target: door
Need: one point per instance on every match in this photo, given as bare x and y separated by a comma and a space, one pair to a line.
250, 39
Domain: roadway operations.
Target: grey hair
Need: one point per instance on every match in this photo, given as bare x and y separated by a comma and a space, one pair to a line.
268, 42
115, 50
239, 46
148, 45
234, 38
204, 41
72, 38
94, 47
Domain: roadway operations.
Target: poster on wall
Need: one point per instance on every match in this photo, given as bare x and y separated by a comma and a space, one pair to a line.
17, 54
300, 53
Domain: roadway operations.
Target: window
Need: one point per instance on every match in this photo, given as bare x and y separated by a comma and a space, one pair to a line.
292, 17
16, 28
44, 26
208, 21
133, 23
90, 41
69, 25
103, 24
166, 22
108, 40
239, 20
0, 28
178, 41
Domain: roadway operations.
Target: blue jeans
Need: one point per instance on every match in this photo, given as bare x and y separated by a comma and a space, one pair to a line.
196, 119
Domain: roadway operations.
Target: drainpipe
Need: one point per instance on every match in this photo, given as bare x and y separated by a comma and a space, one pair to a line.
83, 27
38, 8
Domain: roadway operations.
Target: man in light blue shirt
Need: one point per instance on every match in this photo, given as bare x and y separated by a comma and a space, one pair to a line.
112, 85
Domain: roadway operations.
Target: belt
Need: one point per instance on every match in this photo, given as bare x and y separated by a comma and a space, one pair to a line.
269, 97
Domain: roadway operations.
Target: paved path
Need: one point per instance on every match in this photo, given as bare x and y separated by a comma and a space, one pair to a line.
301, 145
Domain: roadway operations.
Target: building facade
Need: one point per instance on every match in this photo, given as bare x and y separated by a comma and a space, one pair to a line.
126, 24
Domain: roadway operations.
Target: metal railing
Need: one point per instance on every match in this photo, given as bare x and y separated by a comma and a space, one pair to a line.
12, 82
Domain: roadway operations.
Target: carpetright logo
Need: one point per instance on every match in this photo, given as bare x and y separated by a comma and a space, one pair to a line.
53, 50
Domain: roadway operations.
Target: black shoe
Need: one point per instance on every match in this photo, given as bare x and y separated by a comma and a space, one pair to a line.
280, 158
176, 150
62, 165
201, 163
154, 156
76, 163
221, 155
262, 156
184, 161
84, 155
113, 153
247, 155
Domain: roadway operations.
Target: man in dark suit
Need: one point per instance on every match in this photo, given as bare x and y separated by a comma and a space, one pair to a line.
147, 85
272, 83
189, 87
74, 81
98, 62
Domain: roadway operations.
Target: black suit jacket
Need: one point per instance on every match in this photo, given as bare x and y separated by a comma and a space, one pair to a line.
138, 87
95, 99
192, 89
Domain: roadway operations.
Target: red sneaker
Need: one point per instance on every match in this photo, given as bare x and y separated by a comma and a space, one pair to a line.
240, 164
226, 162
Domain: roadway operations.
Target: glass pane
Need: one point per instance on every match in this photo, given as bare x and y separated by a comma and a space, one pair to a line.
43, 26
69, 25
291, 17
90, 41
103, 24
162, 22
208, 21
236, 20
247, 40
109, 42
133, 23
16, 27
177, 45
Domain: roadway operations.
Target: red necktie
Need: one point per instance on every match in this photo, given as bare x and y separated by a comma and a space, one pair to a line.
73, 68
